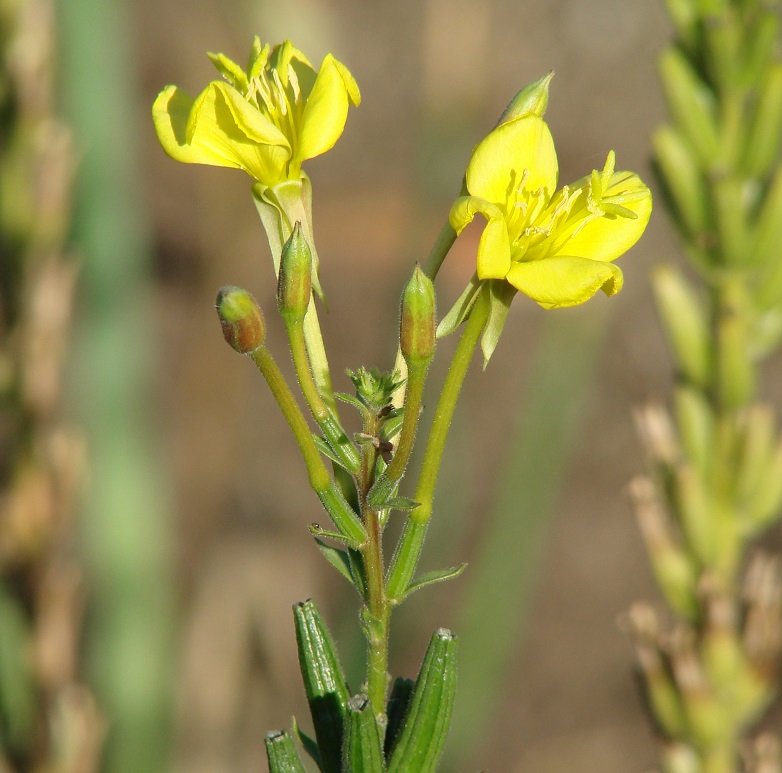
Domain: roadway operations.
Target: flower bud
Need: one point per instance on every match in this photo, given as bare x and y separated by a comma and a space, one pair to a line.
294, 285
240, 318
417, 324
531, 100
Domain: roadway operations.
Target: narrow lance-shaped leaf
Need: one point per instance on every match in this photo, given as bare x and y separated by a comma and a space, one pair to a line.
324, 683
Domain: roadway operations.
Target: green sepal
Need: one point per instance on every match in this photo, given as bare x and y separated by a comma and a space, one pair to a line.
324, 683
309, 744
425, 727
363, 749
501, 295
281, 753
461, 309
430, 578
396, 709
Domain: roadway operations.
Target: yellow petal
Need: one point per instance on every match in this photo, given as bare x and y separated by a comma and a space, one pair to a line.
494, 245
220, 128
608, 237
499, 161
559, 282
326, 109
170, 114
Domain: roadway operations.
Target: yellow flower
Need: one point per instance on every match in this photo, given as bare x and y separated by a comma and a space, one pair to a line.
266, 120
555, 248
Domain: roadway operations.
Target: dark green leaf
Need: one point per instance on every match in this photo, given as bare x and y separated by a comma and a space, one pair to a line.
398, 704
324, 683
421, 740
430, 578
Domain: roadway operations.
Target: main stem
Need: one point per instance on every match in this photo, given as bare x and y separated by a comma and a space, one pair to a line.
378, 610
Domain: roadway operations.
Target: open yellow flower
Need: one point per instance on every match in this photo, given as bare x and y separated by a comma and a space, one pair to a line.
266, 120
555, 248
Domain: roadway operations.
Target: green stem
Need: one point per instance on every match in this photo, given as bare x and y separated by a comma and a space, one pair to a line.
410, 544
445, 240
385, 485
329, 424
378, 610
337, 507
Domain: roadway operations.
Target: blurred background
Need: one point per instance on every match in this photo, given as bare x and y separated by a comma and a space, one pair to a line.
192, 533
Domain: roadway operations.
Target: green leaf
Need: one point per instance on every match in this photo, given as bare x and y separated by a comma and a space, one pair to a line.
430, 578
401, 503
363, 749
398, 704
339, 559
392, 424
282, 754
357, 569
350, 399
318, 531
309, 744
422, 738
324, 683
324, 447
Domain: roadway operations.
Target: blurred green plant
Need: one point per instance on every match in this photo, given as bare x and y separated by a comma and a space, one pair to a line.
125, 533
717, 466
555, 247
48, 716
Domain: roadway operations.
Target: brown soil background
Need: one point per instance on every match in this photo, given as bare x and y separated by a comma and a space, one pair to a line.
434, 77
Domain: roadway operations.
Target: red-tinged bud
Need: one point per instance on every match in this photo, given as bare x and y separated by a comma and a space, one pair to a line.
240, 318
417, 324
294, 285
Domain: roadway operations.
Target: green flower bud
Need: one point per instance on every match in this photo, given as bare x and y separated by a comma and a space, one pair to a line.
531, 100
417, 325
294, 285
240, 318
